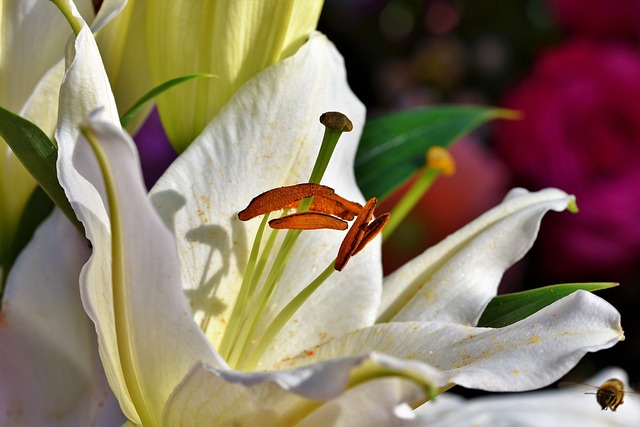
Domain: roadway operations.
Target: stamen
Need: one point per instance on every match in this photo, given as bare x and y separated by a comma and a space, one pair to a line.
308, 221
355, 235
373, 229
334, 205
438, 162
280, 198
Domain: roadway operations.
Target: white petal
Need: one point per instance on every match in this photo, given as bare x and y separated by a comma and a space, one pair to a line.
85, 89
30, 26
562, 407
268, 136
528, 354
221, 397
164, 339
454, 280
49, 365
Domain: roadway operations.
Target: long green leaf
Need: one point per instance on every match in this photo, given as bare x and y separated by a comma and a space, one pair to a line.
504, 310
131, 113
393, 147
38, 154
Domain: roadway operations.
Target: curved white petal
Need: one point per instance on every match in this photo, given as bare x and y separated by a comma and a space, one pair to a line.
562, 407
221, 397
164, 340
268, 136
49, 365
528, 354
454, 280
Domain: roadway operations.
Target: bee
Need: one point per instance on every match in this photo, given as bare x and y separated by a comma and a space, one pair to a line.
610, 394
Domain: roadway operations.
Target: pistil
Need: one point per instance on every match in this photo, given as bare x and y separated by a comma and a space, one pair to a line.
438, 162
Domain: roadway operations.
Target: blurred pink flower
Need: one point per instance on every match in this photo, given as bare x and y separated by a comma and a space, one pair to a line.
581, 133
601, 18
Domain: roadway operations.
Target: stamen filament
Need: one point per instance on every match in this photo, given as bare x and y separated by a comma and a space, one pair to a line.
283, 317
245, 335
439, 162
245, 292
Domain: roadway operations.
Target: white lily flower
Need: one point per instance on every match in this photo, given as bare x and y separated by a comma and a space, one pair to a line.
49, 366
567, 406
159, 348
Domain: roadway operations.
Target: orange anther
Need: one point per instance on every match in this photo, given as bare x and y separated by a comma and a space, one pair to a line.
280, 198
333, 205
351, 243
373, 229
308, 221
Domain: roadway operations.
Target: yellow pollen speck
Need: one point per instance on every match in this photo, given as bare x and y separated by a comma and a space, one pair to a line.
472, 336
535, 340
516, 372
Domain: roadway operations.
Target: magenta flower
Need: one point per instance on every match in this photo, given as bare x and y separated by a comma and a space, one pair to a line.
581, 132
619, 18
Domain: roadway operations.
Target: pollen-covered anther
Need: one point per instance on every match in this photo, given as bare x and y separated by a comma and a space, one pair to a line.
308, 221
360, 234
333, 205
280, 198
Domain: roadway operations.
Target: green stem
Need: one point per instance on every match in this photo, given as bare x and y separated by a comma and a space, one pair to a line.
410, 200
75, 22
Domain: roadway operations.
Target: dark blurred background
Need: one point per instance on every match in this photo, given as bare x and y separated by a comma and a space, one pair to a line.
573, 68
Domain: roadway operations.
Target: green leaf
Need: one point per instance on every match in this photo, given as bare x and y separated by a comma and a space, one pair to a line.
504, 310
393, 147
131, 113
38, 154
